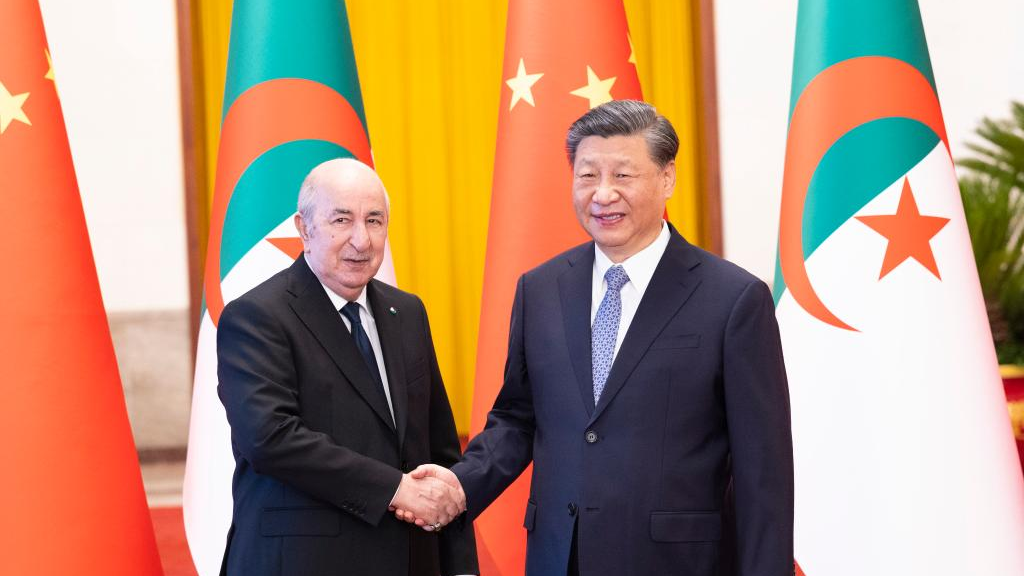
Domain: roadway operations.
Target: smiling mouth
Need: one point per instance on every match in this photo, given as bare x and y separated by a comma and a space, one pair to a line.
609, 218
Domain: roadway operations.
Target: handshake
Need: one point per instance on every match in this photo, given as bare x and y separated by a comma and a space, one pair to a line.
430, 497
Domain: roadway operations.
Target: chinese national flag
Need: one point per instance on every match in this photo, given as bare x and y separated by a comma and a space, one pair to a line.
71, 497
561, 59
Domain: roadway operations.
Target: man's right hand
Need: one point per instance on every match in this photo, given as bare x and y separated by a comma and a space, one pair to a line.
427, 500
433, 472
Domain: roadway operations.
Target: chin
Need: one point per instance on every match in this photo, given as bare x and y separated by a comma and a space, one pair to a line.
357, 280
608, 237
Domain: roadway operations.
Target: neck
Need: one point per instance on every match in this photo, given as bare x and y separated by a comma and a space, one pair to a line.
619, 254
348, 293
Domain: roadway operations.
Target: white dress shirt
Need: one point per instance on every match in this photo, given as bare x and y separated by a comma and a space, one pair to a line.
370, 326
640, 269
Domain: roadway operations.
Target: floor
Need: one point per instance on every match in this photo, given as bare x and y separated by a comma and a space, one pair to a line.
163, 491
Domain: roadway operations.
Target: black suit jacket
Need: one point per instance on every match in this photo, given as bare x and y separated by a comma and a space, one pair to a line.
317, 456
696, 400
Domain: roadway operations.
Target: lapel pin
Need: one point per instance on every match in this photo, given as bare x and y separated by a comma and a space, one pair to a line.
392, 310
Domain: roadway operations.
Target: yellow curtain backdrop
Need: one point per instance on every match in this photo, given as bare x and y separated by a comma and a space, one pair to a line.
431, 78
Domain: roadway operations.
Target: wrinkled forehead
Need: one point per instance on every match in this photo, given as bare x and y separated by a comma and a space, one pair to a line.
613, 150
608, 158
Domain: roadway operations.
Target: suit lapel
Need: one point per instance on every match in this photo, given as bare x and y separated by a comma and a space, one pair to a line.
314, 309
389, 329
575, 287
670, 288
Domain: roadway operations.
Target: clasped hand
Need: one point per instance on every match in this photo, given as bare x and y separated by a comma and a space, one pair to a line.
430, 497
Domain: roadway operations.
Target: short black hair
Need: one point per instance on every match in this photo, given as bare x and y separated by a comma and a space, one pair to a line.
626, 118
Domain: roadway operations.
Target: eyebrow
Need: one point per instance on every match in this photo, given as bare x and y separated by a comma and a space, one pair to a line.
347, 212
615, 162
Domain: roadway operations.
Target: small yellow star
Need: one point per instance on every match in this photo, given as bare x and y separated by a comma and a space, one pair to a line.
632, 51
10, 108
49, 61
521, 85
597, 91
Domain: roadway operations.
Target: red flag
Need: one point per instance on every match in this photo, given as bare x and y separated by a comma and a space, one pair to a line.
561, 59
70, 491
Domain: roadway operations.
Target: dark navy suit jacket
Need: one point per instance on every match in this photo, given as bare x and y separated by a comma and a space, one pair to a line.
317, 455
693, 424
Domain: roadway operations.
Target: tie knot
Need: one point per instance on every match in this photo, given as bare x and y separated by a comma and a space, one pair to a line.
616, 277
351, 311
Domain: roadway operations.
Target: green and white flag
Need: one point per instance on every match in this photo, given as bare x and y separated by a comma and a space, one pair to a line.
905, 460
291, 101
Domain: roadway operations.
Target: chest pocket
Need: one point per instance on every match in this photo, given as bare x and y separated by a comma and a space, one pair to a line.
416, 370
672, 342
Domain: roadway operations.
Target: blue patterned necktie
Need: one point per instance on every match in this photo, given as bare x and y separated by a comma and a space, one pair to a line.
605, 331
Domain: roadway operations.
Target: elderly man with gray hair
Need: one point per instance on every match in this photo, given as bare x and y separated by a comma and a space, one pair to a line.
645, 382
333, 393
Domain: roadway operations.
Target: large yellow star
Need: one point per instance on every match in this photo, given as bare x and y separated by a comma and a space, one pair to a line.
10, 108
597, 91
632, 51
521, 85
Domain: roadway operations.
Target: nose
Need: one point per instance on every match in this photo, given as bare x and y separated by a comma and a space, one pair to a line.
605, 193
360, 238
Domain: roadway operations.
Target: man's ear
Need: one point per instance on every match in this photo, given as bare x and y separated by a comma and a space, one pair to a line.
300, 225
668, 175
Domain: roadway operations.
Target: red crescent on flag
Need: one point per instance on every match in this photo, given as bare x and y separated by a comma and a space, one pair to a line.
841, 98
264, 116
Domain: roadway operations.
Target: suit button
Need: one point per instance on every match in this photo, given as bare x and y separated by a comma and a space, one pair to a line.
572, 508
405, 467
591, 437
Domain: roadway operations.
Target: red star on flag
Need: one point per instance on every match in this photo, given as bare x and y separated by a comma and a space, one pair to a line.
290, 246
909, 233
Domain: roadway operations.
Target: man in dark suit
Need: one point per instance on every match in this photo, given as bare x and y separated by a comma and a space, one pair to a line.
645, 381
333, 393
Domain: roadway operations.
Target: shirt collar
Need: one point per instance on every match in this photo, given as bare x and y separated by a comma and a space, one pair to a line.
338, 302
640, 266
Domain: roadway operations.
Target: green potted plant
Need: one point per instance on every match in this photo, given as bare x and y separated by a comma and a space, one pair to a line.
992, 189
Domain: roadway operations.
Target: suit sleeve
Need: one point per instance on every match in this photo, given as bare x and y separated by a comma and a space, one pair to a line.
500, 453
760, 437
258, 387
457, 543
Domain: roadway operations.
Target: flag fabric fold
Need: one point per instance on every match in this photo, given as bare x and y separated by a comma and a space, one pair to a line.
291, 101
552, 74
904, 457
71, 491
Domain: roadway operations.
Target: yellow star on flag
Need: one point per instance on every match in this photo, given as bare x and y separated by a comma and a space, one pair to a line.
49, 61
632, 51
521, 85
10, 108
597, 91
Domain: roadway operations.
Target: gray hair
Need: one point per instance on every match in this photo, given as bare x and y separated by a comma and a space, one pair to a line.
309, 191
307, 200
626, 118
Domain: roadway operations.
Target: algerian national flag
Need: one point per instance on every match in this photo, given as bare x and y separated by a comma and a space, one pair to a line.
905, 461
291, 101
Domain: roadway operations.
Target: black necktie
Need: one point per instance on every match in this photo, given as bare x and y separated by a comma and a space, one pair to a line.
351, 311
